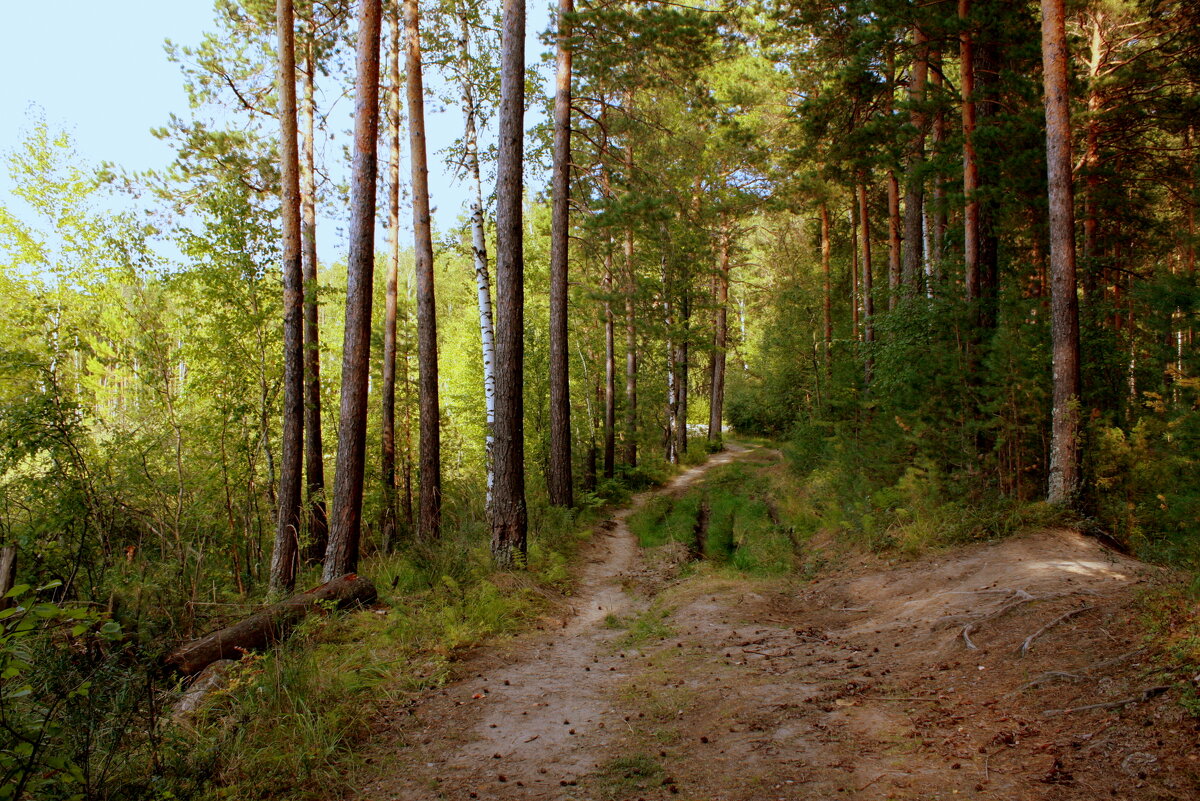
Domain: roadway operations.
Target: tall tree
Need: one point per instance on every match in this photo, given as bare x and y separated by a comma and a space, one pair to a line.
291, 476
314, 451
1064, 483
483, 281
631, 342
342, 554
510, 518
716, 400
387, 523
914, 181
868, 294
558, 480
827, 300
429, 516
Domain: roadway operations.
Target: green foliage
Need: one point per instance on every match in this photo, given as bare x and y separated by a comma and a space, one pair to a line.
45, 710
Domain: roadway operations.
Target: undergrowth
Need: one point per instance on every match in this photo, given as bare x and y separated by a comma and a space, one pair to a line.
1171, 618
327, 681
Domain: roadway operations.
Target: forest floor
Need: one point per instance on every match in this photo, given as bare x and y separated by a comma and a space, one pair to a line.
663, 680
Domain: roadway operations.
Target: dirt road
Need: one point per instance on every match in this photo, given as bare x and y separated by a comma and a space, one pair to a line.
875, 681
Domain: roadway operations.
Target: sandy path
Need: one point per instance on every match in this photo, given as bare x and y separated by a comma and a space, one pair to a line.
534, 722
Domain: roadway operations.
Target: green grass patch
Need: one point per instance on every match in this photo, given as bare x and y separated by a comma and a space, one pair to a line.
644, 627
626, 776
742, 527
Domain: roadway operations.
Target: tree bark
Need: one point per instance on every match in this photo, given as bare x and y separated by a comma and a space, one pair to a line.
558, 480
894, 241
429, 447
854, 306
716, 401
387, 523
914, 184
937, 215
631, 354
1092, 270
510, 518
826, 249
1064, 479
8, 574
672, 407
314, 450
867, 277
269, 625
341, 557
610, 370
970, 161
291, 462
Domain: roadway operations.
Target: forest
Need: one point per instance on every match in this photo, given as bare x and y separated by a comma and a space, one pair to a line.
759, 302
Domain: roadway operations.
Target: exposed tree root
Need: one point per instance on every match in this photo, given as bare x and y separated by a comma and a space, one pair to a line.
1084, 674
1145, 695
1025, 646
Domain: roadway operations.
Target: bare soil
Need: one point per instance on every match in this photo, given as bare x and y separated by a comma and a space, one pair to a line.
878, 680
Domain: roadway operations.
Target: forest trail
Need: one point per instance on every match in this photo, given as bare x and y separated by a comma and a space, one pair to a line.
874, 681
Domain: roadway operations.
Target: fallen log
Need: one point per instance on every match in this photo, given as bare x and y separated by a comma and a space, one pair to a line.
269, 625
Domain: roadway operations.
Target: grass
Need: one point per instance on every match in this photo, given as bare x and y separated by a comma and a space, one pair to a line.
730, 517
646, 626
626, 776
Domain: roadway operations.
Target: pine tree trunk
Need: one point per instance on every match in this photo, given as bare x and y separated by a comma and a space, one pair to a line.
854, 226
8, 574
346, 526
558, 480
826, 249
314, 449
937, 214
429, 448
387, 523
970, 162
867, 276
1064, 480
631, 354
610, 370
291, 467
483, 281
1092, 270
914, 184
894, 242
509, 514
716, 401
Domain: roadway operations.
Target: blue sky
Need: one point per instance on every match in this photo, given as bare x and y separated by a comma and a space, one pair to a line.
99, 71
